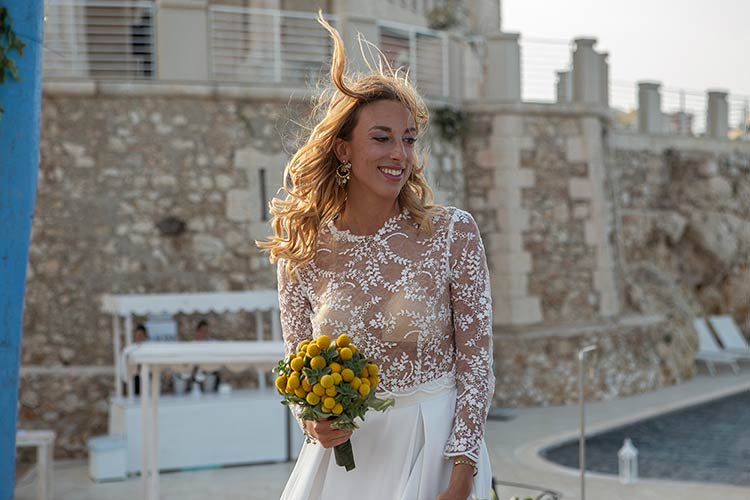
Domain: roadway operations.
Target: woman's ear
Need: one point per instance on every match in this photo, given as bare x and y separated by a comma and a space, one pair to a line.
341, 150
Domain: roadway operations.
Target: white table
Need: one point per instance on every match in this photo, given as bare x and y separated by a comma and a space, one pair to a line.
244, 427
153, 357
44, 441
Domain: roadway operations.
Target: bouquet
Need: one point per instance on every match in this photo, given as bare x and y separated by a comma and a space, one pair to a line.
331, 381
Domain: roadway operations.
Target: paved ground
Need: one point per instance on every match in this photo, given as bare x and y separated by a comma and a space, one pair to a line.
513, 445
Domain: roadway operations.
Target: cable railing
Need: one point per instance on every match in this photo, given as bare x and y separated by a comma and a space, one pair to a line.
99, 39
251, 45
541, 60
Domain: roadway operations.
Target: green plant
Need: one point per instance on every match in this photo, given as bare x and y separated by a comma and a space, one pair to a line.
445, 15
9, 41
452, 123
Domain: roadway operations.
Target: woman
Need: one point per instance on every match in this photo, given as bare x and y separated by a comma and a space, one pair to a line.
361, 250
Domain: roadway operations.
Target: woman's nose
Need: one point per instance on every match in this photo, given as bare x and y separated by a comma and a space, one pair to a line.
398, 152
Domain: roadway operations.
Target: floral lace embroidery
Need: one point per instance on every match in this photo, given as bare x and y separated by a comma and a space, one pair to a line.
417, 304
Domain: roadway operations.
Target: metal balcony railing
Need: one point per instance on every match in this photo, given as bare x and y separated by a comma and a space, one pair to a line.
252, 45
99, 39
421, 51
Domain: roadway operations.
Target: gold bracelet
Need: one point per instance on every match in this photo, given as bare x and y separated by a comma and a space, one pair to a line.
466, 462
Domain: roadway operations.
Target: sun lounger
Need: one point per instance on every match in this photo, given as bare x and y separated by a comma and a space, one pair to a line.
708, 349
730, 336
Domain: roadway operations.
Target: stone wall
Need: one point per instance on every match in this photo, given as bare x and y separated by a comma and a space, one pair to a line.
114, 168
685, 233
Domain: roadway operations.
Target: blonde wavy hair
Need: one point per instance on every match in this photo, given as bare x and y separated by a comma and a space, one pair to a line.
313, 196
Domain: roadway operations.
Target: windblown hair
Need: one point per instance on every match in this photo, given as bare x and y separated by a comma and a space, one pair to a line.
313, 197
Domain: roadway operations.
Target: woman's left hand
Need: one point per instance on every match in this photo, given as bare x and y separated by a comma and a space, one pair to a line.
460, 484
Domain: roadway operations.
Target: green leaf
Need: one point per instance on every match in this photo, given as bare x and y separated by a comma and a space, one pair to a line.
15, 43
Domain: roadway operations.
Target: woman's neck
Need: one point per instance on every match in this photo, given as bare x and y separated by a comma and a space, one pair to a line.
359, 219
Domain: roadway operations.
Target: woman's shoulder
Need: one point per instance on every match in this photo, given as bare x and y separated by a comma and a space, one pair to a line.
450, 216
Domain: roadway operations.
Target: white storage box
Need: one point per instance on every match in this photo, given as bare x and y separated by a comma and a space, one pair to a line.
108, 458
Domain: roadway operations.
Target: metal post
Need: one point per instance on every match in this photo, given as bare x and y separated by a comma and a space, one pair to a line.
582, 437
19, 164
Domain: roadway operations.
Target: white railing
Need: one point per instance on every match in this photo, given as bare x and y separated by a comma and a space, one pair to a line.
267, 46
541, 59
424, 52
99, 39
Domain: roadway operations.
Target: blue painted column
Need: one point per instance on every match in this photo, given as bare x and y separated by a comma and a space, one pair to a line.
19, 163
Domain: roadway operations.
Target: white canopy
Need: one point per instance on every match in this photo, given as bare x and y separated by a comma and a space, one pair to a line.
187, 303
210, 355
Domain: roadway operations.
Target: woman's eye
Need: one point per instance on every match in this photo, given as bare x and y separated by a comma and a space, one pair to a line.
381, 139
410, 140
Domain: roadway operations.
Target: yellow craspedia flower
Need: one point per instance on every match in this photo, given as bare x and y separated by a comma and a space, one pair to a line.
313, 398
364, 389
364, 373
302, 345
318, 362
297, 364
356, 383
313, 350
331, 391
300, 393
353, 348
294, 381
365, 381
347, 375
326, 381
306, 385
342, 340
372, 369
290, 357
281, 383
324, 341
301, 355
346, 353
329, 403
374, 381
335, 367
325, 410
338, 409
337, 378
319, 389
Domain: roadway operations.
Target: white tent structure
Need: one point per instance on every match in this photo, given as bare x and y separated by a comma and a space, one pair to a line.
213, 429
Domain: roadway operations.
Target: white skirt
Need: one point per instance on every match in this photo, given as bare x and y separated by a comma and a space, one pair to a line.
398, 455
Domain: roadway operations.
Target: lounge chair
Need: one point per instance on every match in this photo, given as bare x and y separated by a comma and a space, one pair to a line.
709, 351
730, 336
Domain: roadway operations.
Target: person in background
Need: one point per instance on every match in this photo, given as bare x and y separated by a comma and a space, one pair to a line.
140, 335
202, 332
208, 380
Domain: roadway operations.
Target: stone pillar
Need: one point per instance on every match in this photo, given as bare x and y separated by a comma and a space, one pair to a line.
649, 108
604, 79
507, 220
564, 87
587, 73
182, 40
503, 67
717, 115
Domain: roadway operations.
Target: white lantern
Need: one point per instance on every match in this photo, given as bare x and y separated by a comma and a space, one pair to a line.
628, 461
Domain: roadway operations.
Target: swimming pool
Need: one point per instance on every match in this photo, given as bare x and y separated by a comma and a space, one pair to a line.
709, 442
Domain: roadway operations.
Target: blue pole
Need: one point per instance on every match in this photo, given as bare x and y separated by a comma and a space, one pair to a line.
19, 162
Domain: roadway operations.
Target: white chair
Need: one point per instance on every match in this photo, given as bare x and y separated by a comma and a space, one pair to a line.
709, 351
44, 442
731, 336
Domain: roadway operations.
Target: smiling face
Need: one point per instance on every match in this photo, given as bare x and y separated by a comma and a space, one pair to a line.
381, 150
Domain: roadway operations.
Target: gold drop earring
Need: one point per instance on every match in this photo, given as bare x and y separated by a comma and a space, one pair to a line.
343, 172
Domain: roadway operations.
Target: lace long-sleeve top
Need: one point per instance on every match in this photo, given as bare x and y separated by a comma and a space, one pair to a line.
416, 304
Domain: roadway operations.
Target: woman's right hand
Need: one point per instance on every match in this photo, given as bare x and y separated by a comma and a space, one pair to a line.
326, 435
